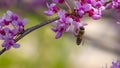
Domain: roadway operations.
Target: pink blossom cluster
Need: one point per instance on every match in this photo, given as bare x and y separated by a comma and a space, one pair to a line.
114, 4
10, 26
72, 17
115, 64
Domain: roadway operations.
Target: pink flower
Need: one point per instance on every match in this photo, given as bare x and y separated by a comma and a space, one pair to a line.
10, 43
52, 8
115, 64
72, 17
58, 1
82, 8
10, 26
63, 24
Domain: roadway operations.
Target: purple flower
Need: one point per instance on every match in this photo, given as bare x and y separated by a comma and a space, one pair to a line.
10, 43
52, 8
72, 17
63, 24
115, 64
116, 4
10, 26
82, 8
97, 14
58, 1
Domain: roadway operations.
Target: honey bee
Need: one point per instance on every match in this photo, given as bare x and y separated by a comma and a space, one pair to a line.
79, 36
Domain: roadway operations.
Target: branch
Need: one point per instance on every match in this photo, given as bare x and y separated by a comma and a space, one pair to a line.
107, 2
27, 31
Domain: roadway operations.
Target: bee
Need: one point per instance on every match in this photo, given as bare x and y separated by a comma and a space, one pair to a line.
80, 34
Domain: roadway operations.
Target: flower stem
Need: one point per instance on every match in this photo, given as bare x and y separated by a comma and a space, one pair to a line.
107, 2
68, 6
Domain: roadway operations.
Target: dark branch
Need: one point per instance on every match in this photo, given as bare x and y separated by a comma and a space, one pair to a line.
27, 31
2, 51
107, 2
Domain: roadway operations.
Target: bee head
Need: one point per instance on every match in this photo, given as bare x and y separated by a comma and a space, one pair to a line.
82, 28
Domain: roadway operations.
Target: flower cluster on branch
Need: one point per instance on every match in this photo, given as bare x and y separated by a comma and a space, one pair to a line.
72, 17
10, 26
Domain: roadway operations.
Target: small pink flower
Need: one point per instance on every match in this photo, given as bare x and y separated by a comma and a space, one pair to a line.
58, 1
115, 64
52, 8
82, 8
63, 24
10, 43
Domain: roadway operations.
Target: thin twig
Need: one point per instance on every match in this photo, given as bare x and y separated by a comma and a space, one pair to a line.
2, 51
107, 2
27, 31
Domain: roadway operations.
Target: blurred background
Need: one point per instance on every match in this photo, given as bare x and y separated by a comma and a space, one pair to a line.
40, 49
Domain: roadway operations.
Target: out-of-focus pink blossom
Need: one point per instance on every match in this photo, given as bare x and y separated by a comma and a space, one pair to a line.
58, 1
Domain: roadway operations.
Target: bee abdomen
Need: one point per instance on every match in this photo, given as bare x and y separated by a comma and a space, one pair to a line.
78, 41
